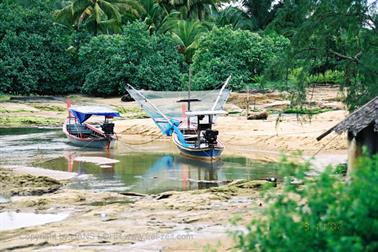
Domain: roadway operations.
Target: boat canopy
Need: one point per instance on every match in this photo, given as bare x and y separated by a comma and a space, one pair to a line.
206, 112
83, 113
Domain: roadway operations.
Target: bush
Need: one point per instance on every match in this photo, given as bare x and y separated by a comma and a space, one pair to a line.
304, 110
225, 51
325, 214
134, 57
329, 77
33, 52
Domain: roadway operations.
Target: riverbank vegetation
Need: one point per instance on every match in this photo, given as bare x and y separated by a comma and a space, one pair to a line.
327, 212
94, 47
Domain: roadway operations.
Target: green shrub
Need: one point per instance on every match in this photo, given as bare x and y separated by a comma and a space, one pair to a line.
132, 112
134, 57
274, 79
244, 54
329, 77
4, 98
325, 214
304, 110
33, 51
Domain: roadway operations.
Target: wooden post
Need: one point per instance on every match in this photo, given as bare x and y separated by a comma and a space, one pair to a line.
189, 89
190, 85
247, 107
354, 152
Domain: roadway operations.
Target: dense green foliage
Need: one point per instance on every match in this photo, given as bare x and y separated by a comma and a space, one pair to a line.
134, 57
33, 52
100, 16
244, 54
283, 44
325, 214
262, 12
234, 17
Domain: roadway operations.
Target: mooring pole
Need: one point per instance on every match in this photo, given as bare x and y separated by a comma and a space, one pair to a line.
189, 88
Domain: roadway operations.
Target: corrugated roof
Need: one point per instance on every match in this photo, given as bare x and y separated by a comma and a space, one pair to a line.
358, 120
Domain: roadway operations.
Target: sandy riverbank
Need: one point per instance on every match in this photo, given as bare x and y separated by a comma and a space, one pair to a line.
261, 139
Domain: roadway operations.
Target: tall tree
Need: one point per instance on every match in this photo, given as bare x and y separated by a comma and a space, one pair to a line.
191, 9
340, 32
105, 16
186, 34
235, 17
153, 16
262, 12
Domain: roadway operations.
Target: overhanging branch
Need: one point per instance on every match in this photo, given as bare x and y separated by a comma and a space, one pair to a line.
355, 58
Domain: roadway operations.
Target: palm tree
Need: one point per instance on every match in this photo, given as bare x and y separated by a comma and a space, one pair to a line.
155, 15
262, 11
235, 17
186, 33
105, 16
191, 9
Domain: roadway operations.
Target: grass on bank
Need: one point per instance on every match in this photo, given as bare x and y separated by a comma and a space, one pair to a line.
132, 112
4, 98
305, 111
4, 110
49, 107
27, 121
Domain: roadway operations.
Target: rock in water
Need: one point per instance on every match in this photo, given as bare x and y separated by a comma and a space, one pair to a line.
257, 115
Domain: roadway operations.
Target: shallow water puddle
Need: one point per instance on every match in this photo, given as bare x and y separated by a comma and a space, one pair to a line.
12, 220
137, 169
3, 200
155, 172
101, 161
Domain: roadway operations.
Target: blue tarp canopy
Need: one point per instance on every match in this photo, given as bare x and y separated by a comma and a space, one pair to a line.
82, 113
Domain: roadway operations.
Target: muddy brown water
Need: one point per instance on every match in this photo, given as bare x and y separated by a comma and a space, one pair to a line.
136, 170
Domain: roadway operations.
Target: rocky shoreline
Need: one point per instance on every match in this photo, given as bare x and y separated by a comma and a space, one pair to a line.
99, 221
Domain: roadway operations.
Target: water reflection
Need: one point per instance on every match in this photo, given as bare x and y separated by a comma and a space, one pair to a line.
145, 171
154, 173
20, 145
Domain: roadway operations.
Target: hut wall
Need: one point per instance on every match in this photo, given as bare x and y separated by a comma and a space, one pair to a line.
368, 138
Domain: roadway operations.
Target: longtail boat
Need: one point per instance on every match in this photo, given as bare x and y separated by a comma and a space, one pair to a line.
82, 134
192, 131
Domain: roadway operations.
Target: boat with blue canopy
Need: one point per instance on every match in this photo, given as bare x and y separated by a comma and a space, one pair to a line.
83, 134
191, 124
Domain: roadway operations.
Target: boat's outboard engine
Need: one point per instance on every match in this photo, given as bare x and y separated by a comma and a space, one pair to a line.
108, 128
211, 136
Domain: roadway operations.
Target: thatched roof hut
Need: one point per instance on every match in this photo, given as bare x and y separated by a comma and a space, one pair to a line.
357, 121
362, 128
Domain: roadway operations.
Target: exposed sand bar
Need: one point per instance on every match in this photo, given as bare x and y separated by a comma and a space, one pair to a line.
35, 171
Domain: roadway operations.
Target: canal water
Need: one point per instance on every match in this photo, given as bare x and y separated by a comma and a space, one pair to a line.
135, 170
